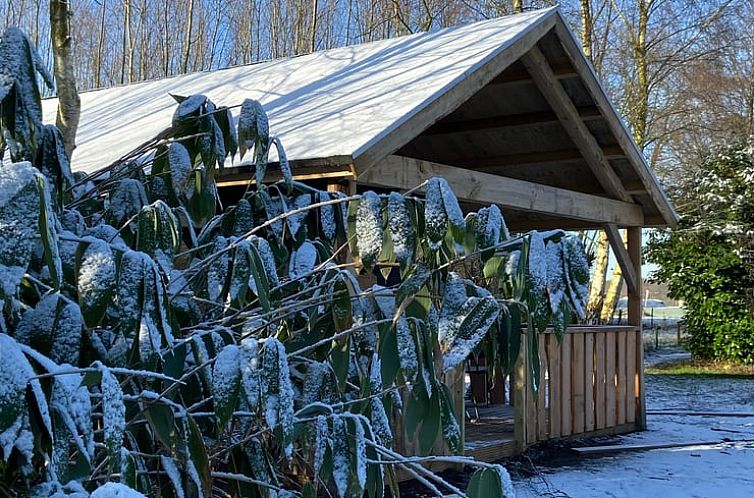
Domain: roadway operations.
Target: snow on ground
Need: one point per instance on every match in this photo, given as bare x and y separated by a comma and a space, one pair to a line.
723, 470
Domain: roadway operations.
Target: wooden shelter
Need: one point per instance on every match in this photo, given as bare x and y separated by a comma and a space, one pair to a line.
510, 112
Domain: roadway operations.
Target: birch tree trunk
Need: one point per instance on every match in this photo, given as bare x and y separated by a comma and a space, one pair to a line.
187, 43
587, 27
597, 284
69, 104
639, 117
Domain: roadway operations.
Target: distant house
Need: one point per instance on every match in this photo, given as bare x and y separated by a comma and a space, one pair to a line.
510, 112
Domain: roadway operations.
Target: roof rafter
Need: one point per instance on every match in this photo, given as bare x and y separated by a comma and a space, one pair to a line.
453, 97
540, 70
509, 121
589, 78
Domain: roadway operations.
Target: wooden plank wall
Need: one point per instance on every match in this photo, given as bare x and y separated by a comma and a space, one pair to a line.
589, 383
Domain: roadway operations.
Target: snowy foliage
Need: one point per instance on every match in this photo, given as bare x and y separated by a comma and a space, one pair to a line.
149, 330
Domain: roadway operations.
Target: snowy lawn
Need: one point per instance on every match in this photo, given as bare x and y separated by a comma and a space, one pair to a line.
724, 470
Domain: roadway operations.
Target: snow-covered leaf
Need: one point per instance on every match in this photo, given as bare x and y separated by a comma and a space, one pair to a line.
53, 328
250, 371
435, 216
174, 475
19, 213
126, 200
253, 127
302, 260
464, 320
401, 228
226, 378
181, 168
217, 275
159, 230
277, 391
327, 216
15, 372
341, 457
96, 279
115, 490
369, 231
113, 415
406, 349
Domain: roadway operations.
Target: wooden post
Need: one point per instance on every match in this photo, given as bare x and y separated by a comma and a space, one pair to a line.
634, 319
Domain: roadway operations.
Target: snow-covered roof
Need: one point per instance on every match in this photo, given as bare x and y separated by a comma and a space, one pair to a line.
513, 97
325, 104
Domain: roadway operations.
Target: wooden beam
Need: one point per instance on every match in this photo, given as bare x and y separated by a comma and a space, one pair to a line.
509, 121
518, 74
624, 260
635, 313
416, 121
589, 78
477, 187
243, 174
537, 65
552, 156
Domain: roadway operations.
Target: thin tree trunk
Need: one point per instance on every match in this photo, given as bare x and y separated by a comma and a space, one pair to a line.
100, 48
313, 45
597, 284
125, 42
587, 27
69, 104
166, 52
187, 43
614, 289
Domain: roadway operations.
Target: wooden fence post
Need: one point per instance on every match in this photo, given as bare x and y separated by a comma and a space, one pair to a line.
634, 319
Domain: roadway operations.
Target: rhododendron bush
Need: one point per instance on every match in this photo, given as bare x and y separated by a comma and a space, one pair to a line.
161, 343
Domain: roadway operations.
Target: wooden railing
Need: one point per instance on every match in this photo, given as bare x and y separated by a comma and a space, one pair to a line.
590, 382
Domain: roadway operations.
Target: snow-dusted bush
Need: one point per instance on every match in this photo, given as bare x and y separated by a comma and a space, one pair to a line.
152, 341
708, 261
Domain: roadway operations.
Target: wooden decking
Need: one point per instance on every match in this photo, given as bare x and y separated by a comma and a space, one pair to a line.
490, 437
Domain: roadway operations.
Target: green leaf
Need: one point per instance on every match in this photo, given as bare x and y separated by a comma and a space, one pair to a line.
341, 304
534, 366
49, 234
260, 275
340, 356
417, 407
410, 287
198, 455
485, 483
162, 421
430, 425
451, 430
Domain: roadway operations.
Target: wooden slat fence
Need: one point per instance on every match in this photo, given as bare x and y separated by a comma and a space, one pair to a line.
589, 383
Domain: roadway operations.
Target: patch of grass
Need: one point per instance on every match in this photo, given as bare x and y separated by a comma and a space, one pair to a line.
702, 368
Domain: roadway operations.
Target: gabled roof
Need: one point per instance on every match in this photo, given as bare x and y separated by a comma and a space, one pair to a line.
456, 97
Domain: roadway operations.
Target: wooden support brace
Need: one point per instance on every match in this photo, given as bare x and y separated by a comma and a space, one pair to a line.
542, 74
624, 260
